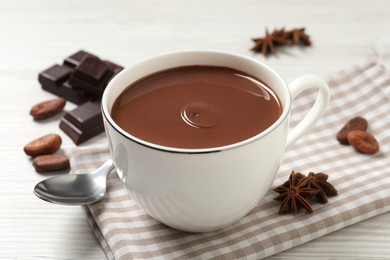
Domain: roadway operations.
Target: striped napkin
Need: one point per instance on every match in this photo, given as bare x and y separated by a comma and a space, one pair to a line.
125, 231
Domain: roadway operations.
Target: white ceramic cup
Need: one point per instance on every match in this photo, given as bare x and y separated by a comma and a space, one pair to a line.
201, 190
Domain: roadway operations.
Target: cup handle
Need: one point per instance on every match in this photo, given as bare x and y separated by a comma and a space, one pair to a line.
296, 87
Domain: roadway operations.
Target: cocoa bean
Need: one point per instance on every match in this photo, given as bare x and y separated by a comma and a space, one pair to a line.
357, 123
363, 142
47, 108
47, 144
51, 162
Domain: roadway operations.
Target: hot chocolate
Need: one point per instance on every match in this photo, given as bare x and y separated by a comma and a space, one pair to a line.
196, 107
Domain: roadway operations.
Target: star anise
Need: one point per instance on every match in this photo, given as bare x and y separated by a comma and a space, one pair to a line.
320, 182
298, 36
294, 194
267, 44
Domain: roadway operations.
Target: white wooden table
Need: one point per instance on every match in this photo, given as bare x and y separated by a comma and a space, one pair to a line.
37, 34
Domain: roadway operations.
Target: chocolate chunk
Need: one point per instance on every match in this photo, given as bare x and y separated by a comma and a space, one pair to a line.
83, 77
83, 123
54, 76
115, 69
70, 93
73, 94
96, 90
75, 59
92, 75
85, 116
92, 70
113, 66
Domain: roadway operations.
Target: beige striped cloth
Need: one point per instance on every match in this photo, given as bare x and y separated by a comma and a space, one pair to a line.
125, 231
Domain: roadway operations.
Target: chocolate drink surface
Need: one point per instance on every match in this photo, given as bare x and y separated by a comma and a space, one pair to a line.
196, 107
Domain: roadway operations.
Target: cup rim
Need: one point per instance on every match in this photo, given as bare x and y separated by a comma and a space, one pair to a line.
271, 128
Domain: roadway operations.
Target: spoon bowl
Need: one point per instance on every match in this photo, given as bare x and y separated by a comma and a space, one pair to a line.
75, 189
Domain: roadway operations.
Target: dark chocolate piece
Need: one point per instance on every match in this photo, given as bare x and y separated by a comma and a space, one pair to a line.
73, 94
96, 90
75, 59
85, 116
54, 76
50, 88
115, 69
92, 70
70, 93
83, 77
92, 75
113, 66
83, 123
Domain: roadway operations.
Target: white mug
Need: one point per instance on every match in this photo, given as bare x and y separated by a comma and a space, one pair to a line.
201, 190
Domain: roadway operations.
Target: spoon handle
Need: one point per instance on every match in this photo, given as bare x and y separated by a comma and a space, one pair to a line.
104, 169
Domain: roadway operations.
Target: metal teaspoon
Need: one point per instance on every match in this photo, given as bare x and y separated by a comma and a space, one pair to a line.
75, 189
